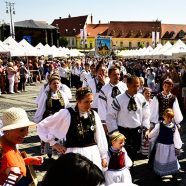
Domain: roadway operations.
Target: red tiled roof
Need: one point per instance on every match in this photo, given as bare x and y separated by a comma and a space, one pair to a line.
94, 29
173, 31
132, 29
70, 26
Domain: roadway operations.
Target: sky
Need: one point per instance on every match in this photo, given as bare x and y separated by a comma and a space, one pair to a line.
167, 11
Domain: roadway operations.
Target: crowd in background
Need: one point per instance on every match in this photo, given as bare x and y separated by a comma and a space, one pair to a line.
73, 72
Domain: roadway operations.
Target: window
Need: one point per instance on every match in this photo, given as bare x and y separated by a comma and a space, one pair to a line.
91, 45
121, 44
72, 41
130, 45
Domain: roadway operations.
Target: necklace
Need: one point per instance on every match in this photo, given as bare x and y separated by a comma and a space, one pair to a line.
83, 129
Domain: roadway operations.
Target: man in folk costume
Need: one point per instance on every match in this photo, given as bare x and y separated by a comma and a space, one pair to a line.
85, 72
96, 83
90, 75
164, 100
76, 71
129, 114
109, 91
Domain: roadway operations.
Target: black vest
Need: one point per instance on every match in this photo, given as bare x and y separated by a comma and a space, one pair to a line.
166, 134
81, 130
54, 107
165, 103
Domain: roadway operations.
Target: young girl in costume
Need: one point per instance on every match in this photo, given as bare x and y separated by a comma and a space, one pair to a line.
119, 163
168, 145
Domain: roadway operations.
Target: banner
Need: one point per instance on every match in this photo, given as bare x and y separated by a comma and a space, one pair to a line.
83, 36
103, 46
153, 38
81, 33
157, 37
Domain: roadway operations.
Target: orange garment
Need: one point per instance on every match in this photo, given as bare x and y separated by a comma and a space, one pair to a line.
10, 158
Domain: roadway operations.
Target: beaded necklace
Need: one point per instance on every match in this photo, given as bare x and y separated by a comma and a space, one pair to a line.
80, 128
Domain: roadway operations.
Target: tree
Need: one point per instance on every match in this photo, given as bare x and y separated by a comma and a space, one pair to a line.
63, 42
141, 45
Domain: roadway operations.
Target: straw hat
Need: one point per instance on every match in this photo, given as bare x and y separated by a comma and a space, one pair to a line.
14, 118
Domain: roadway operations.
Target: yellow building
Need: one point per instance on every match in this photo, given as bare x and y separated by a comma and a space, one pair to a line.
92, 31
128, 35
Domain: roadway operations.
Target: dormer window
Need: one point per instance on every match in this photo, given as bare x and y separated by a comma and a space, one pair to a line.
181, 34
66, 31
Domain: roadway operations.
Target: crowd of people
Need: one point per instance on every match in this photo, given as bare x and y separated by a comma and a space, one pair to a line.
121, 106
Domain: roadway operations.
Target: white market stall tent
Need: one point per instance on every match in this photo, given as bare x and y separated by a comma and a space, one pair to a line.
3, 47
159, 54
41, 49
30, 50
178, 48
76, 53
14, 47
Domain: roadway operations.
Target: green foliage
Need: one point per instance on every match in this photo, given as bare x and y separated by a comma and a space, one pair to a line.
141, 45
63, 42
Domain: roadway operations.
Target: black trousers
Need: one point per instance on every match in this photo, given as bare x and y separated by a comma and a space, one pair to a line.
133, 141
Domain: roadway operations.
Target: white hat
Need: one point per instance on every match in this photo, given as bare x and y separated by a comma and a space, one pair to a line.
14, 118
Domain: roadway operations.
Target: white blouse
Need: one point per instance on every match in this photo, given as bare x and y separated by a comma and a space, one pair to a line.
176, 138
57, 126
178, 117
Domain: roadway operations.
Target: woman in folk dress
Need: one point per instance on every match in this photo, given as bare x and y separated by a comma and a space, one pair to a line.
80, 126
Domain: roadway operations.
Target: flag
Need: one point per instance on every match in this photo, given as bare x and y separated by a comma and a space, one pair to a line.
153, 38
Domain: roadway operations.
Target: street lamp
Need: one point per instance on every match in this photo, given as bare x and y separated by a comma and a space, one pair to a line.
58, 34
10, 10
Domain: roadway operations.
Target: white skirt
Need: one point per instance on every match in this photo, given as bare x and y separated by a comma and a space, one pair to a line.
165, 161
118, 176
91, 152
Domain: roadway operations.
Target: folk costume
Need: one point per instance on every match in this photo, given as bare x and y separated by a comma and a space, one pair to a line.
83, 132
129, 114
168, 142
65, 89
118, 167
41, 101
96, 86
48, 106
106, 96
160, 103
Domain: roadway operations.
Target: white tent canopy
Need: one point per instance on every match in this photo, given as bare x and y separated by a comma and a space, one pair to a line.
30, 50
3, 47
41, 49
159, 53
14, 47
75, 53
178, 47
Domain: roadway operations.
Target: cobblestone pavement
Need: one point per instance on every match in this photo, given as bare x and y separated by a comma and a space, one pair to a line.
142, 176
